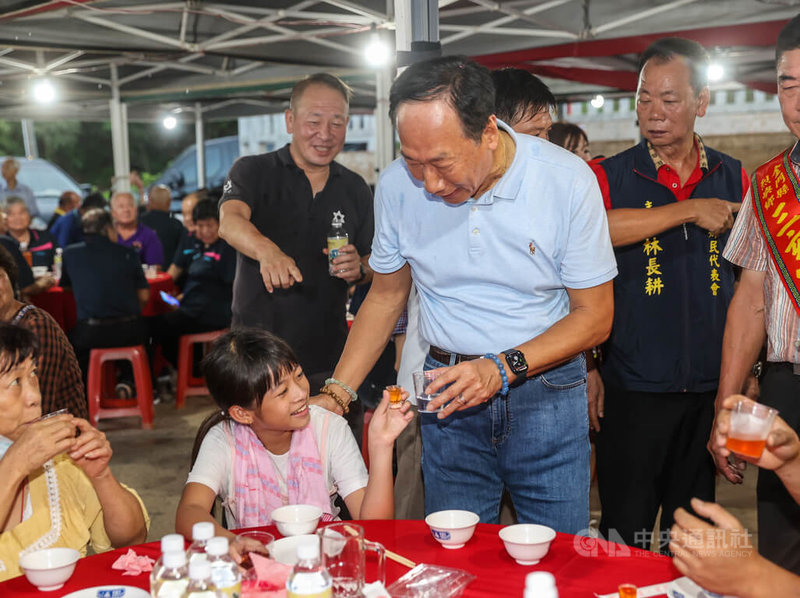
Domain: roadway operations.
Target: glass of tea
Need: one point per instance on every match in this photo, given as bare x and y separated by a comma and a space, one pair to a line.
749, 427
395, 396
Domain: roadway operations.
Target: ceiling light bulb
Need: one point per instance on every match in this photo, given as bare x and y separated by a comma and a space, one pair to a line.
44, 92
170, 122
598, 101
715, 72
376, 52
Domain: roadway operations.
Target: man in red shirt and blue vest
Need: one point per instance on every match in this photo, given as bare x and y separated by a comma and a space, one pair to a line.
670, 201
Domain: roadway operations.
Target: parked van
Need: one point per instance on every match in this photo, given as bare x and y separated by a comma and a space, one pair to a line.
181, 175
48, 182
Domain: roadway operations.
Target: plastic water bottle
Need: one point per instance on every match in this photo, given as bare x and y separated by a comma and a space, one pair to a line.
169, 543
224, 570
337, 238
202, 532
309, 579
200, 584
172, 577
57, 261
540, 584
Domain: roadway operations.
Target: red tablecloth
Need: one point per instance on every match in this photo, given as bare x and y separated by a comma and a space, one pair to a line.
581, 566
156, 305
60, 303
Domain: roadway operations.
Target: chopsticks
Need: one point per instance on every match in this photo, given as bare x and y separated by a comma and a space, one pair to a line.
397, 558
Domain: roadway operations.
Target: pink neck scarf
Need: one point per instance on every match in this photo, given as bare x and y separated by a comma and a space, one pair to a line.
256, 488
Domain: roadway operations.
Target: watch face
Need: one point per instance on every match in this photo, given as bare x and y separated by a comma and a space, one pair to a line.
516, 361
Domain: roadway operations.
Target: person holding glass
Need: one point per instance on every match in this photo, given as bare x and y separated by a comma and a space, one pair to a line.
58, 489
719, 555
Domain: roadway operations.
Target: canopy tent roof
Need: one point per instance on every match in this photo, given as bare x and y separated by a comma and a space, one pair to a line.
243, 56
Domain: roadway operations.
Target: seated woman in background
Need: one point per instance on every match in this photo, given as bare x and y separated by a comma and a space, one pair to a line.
59, 374
210, 266
572, 138
40, 243
268, 447
57, 490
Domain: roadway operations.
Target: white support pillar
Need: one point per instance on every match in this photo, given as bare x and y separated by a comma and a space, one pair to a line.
402, 21
126, 147
416, 21
384, 130
200, 144
29, 138
121, 180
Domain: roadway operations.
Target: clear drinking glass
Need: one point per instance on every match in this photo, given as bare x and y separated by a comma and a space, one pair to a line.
342, 549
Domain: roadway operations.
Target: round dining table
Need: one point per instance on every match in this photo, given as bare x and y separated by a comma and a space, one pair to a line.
582, 566
60, 302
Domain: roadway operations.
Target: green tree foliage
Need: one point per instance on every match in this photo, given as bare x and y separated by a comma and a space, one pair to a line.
83, 149
11, 139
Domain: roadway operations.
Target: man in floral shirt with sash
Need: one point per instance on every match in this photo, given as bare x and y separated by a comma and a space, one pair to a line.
765, 242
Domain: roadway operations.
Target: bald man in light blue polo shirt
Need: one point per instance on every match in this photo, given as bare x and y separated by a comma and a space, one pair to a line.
506, 240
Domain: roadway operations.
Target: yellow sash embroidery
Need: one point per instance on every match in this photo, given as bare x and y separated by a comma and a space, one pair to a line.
775, 200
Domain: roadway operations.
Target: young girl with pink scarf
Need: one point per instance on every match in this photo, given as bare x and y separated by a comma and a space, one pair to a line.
268, 447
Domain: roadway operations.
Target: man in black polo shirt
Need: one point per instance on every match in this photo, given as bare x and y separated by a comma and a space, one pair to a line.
168, 229
109, 287
277, 209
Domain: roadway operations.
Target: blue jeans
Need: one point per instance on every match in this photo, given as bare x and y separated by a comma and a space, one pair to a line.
534, 443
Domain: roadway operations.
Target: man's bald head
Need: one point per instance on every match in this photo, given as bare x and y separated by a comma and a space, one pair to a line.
187, 206
159, 198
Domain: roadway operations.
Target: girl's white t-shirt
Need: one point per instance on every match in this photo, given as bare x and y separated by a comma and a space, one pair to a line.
344, 468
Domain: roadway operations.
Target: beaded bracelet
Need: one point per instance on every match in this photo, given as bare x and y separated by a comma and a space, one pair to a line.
501, 367
350, 391
327, 391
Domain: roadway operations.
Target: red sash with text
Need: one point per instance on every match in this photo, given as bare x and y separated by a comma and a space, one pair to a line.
775, 200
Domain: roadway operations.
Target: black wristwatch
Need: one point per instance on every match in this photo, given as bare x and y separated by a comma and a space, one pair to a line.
516, 361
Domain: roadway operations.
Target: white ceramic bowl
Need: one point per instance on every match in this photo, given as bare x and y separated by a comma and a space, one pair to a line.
49, 569
527, 543
296, 520
452, 528
285, 550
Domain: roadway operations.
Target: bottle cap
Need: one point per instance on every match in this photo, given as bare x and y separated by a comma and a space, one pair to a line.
540, 580
308, 550
204, 530
199, 569
217, 546
172, 543
174, 558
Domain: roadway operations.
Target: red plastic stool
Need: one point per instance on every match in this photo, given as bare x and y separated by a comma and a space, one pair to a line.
101, 379
188, 384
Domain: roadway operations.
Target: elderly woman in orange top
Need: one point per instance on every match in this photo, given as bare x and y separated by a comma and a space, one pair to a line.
57, 489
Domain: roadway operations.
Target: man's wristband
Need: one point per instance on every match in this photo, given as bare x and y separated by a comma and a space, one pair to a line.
502, 368
327, 391
342, 385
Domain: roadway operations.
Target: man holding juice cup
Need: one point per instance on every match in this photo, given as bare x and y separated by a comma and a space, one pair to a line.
766, 307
